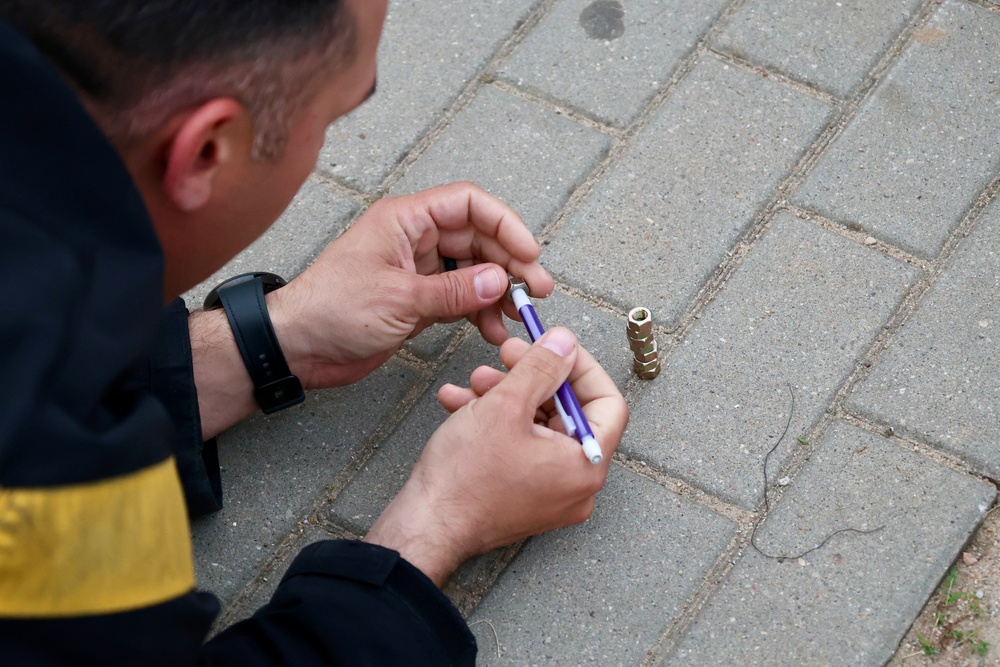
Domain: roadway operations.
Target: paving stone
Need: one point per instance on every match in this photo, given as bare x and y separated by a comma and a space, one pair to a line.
940, 380
851, 601
275, 466
522, 153
832, 45
427, 56
603, 591
795, 316
923, 146
663, 218
315, 217
608, 58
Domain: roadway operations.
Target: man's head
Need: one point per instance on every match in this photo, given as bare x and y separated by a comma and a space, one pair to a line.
217, 107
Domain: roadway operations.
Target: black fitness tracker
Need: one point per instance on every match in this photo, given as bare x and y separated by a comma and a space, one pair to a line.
242, 297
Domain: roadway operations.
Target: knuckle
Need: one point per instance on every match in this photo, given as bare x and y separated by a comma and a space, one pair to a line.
593, 486
583, 511
454, 292
535, 363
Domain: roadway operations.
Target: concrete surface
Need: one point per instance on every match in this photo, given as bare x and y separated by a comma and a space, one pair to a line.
804, 193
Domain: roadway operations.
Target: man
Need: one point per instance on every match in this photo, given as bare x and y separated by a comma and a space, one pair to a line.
142, 145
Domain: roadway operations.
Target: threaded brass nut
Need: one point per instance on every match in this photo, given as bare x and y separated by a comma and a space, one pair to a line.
646, 370
636, 344
648, 353
640, 323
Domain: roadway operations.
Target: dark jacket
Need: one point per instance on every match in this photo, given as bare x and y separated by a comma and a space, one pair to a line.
98, 413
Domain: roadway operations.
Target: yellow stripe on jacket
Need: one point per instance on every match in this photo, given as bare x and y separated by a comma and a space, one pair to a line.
108, 546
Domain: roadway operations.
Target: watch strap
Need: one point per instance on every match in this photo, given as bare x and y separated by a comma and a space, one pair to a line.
275, 388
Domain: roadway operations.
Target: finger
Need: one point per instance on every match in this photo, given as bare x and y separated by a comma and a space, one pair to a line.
458, 293
469, 242
537, 374
453, 398
485, 378
458, 206
512, 350
602, 402
489, 321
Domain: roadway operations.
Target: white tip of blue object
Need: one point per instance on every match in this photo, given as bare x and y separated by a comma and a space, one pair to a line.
520, 298
592, 449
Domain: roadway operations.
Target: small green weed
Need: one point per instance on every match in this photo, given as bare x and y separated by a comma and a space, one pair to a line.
928, 647
956, 612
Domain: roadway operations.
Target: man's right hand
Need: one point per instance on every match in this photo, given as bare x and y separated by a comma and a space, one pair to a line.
500, 469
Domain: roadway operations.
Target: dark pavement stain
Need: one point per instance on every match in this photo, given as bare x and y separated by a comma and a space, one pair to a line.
603, 19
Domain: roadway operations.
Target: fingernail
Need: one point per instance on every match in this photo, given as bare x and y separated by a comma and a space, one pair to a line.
559, 341
488, 285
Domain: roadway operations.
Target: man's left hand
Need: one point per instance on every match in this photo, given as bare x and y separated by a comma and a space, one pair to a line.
383, 281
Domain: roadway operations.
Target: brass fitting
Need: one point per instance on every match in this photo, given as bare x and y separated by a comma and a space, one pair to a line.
637, 344
646, 370
640, 323
645, 352
648, 353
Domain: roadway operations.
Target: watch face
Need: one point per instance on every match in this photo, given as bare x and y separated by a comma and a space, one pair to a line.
268, 281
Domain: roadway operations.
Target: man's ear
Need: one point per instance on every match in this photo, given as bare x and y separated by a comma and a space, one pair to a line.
214, 139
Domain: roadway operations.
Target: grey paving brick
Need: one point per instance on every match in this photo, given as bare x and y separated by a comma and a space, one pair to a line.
526, 155
589, 55
940, 380
663, 218
850, 602
274, 467
796, 315
428, 54
832, 45
924, 144
603, 591
433, 341
316, 216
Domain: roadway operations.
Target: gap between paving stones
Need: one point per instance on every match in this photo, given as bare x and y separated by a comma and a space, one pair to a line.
858, 236
770, 72
938, 456
465, 96
992, 5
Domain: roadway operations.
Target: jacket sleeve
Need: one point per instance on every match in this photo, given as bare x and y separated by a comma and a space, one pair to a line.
349, 603
340, 603
169, 376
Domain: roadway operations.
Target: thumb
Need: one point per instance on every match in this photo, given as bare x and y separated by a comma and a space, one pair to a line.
537, 375
461, 292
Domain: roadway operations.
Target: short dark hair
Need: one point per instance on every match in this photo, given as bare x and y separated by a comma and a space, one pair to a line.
137, 62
